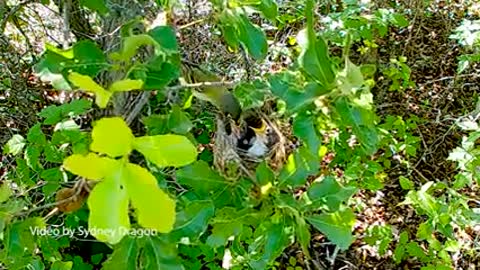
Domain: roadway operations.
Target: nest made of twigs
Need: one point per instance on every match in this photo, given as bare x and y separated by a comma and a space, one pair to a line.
226, 152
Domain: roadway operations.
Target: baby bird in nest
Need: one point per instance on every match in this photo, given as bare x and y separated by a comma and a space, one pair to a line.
254, 136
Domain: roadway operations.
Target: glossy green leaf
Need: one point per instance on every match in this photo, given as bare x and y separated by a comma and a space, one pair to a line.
269, 9
157, 74
166, 150
337, 226
330, 193
95, 5
156, 124
108, 203
15, 145
221, 232
86, 83
124, 254
201, 178
112, 136
155, 209
314, 59
193, 220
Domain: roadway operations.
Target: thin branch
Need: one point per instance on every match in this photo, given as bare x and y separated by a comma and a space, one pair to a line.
66, 23
200, 85
138, 107
190, 24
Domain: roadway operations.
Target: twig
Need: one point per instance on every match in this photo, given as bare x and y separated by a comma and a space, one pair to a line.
450, 78
190, 24
66, 23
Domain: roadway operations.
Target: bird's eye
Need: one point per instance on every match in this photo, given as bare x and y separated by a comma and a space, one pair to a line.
245, 141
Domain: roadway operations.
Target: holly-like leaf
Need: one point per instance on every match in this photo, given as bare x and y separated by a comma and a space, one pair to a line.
126, 85
15, 145
86, 83
166, 150
337, 226
201, 178
108, 203
123, 254
328, 192
112, 136
154, 208
90, 166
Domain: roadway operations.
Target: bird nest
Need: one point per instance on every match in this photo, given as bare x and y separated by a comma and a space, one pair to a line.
229, 159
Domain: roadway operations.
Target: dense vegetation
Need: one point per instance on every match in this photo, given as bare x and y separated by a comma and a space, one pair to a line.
114, 158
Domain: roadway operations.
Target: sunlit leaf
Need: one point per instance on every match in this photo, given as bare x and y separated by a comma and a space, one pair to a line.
337, 226
166, 150
90, 166
155, 209
112, 136
126, 85
298, 167
86, 83
15, 145
108, 203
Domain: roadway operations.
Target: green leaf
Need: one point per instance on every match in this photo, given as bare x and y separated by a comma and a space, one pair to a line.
221, 232
269, 9
252, 37
399, 20
314, 59
276, 240
166, 150
159, 254
95, 5
124, 255
302, 234
36, 136
19, 239
84, 58
158, 74
61, 265
5, 192
298, 167
108, 204
329, 192
193, 220
130, 46
91, 166
304, 128
15, 145
251, 95
201, 178
112, 136
165, 36
178, 121
53, 154
264, 174
86, 83
406, 183
362, 122
350, 78
285, 85
337, 226
32, 156
156, 124
155, 209
54, 114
